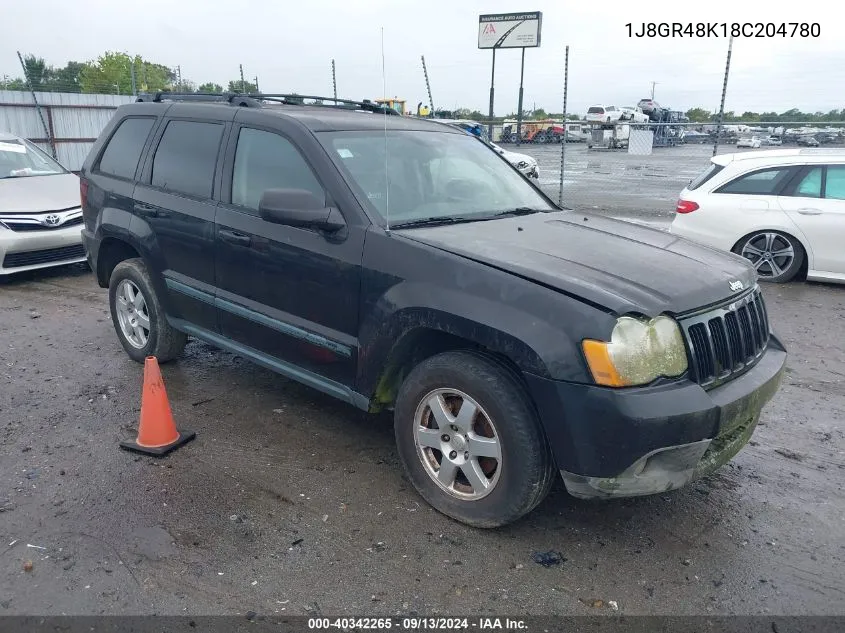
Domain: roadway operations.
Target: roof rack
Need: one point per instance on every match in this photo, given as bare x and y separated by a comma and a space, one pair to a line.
256, 100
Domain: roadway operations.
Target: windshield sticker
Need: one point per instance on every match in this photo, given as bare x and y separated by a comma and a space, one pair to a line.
344, 153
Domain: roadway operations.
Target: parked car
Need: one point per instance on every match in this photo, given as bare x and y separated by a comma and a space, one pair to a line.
634, 114
753, 142
648, 105
398, 264
807, 141
604, 114
781, 209
40, 218
693, 136
773, 141
524, 163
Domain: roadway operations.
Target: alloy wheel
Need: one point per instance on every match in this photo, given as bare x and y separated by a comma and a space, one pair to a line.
457, 444
771, 253
132, 314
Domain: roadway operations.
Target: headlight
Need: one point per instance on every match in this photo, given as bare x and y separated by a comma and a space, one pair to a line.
638, 352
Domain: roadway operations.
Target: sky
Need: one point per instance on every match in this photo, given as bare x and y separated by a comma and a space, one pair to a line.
289, 47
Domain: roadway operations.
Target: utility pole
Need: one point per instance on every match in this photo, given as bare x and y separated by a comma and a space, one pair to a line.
427, 87
132, 73
492, 81
563, 140
334, 81
724, 90
38, 108
519, 114
178, 78
243, 85
653, 84
256, 84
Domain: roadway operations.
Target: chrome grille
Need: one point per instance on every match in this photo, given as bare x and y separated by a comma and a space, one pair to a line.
726, 341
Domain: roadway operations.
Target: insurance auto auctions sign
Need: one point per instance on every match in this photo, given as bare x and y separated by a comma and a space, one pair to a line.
509, 30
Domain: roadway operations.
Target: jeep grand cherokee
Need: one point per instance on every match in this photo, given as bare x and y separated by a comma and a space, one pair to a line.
398, 264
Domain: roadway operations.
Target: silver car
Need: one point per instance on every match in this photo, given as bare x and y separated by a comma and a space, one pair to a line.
40, 214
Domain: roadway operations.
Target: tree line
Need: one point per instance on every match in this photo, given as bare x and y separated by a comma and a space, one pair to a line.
111, 73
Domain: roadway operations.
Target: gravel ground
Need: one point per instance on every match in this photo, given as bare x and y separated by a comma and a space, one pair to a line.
289, 502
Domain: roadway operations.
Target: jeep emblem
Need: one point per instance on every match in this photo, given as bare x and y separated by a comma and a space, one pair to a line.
736, 285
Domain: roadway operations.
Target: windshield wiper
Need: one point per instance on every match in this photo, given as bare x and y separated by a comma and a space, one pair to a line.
519, 211
432, 221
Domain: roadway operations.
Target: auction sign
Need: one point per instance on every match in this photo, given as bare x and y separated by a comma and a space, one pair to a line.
509, 30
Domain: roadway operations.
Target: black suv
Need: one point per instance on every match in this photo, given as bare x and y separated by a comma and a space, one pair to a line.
399, 264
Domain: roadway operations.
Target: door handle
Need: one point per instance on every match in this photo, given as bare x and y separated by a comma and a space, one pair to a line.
146, 210
810, 211
235, 238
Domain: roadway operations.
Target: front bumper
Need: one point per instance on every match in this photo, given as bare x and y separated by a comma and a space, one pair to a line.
30, 250
639, 441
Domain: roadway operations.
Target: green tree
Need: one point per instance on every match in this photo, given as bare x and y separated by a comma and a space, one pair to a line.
210, 87
66, 79
15, 84
37, 72
112, 72
539, 114
751, 117
698, 115
236, 85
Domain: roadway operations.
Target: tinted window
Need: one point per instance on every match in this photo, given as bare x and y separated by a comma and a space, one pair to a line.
595, 111
706, 175
810, 185
762, 182
264, 160
185, 159
125, 146
835, 185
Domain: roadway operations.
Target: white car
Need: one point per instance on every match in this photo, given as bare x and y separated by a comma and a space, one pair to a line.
523, 162
634, 114
604, 114
753, 142
782, 209
40, 214
774, 141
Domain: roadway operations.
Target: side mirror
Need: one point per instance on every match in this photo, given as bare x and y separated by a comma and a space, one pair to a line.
300, 208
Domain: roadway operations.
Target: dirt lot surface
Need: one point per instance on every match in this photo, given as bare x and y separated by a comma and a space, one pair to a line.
291, 503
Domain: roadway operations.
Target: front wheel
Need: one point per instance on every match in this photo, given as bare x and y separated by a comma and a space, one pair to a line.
776, 256
470, 441
138, 315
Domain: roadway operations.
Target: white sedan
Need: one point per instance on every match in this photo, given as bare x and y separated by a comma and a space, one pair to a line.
753, 142
783, 209
634, 114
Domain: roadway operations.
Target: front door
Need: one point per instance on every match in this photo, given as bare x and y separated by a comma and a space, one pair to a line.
817, 206
285, 292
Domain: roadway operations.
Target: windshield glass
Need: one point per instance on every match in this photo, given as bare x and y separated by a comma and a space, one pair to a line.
431, 175
21, 158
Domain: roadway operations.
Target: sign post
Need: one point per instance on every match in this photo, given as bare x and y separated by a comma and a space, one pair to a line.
509, 30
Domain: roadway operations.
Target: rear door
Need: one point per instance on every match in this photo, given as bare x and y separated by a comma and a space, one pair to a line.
175, 207
817, 205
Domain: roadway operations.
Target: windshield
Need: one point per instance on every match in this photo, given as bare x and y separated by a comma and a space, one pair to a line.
431, 176
21, 158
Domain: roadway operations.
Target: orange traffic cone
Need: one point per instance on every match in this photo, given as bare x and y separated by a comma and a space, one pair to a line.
157, 434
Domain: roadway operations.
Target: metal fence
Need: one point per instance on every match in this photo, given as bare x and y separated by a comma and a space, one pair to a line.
63, 124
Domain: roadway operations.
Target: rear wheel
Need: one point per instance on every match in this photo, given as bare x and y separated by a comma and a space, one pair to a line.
776, 256
470, 441
138, 316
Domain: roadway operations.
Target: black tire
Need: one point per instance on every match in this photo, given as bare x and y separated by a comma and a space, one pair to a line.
163, 341
526, 468
766, 272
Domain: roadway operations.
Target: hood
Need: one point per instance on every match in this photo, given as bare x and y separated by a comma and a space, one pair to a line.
35, 194
617, 265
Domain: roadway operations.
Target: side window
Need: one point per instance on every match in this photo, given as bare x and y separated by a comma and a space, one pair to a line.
835, 184
764, 182
124, 148
810, 185
264, 160
185, 159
